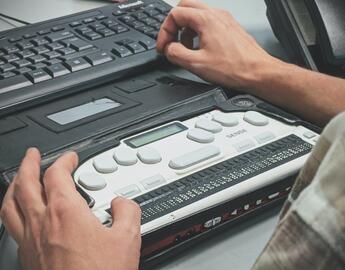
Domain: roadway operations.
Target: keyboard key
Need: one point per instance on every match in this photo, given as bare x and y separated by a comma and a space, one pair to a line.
106, 32
21, 63
66, 51
39, 41
79, 45
40, 50
10, 49
139, 15
51, 55
15, 39
38, 66
135, 47
151, 12
2, 62
27, 36
153, 34
23, 70
119, 28
44, 32
79, 54
6, 75
160, 17
75, 24
14, 83
38, 75
125, 41
36, 59
121, 51
98, 58
89, 20
57, 70
77, 64
54, 46
24, 45
96, 26
226, 120
52, 62
7, 67
109, 23
92, 35
118, 12
149, 21
195, 157
145, 29
148, 43
101, 17
57, 28
126, 18
136, 24
59, 36
10, 58
83, 30
25, 53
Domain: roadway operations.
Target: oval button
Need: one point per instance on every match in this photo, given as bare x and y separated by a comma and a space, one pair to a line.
104, 164
149, 155
255, 118
125, 157
200, 135
208, 125
225, 119
92, 181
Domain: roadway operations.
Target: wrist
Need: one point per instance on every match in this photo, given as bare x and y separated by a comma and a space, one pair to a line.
265, 74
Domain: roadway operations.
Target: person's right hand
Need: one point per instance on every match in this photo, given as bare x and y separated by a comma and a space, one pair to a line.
56, 230
228, 55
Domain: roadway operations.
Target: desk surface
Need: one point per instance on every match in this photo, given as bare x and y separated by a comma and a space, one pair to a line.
236, 248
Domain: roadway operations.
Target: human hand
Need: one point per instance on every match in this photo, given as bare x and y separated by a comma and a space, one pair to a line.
55, 228
228, 55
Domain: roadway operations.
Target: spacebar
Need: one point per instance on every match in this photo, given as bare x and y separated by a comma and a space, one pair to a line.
13, 83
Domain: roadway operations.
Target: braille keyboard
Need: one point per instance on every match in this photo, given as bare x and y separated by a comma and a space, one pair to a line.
64, 55
182, 168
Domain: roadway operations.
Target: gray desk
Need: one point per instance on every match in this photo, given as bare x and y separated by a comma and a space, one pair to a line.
236, 248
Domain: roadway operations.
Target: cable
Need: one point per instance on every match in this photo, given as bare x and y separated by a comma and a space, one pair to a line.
14, 19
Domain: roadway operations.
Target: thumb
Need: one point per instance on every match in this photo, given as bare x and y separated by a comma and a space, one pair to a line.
178, 54
126, 214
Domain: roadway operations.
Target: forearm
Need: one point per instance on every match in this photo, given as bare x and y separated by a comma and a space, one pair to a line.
310, 95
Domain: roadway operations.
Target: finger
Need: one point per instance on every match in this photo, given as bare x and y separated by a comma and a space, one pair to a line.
180, 55
126, 214
177, 19
12, 216
28, 190
58, 177
193, 4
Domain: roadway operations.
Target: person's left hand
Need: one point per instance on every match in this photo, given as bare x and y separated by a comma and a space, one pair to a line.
56, 230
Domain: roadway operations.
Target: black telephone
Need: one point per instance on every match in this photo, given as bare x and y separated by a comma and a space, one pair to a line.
312, 31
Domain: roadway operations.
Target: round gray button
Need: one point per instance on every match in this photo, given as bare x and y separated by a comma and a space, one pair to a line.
92, 181
149, 155
105, 164
208, 125
200, 135
255, 118
225, 119
125, 157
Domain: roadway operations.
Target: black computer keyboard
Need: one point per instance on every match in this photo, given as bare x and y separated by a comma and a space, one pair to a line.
64, 55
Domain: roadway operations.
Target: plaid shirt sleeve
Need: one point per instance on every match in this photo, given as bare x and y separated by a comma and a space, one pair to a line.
311, 230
